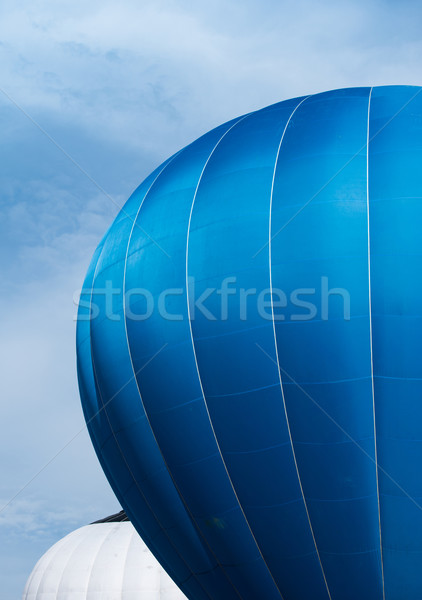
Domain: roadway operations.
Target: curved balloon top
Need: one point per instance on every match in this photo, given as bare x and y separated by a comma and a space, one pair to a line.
106, 560
248, 353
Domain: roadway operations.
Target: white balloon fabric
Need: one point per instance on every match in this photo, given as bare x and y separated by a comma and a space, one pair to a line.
102, 561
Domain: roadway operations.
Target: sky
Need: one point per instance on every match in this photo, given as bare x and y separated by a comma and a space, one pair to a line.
93, 96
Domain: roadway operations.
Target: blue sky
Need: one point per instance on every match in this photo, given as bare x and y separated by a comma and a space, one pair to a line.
120, 87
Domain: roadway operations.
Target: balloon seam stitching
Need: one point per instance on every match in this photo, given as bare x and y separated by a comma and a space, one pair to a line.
113, 434
196, 360
371, 346
96, 555
201, 535
276, 350
134, 376
79, 541
124, 569
55, 550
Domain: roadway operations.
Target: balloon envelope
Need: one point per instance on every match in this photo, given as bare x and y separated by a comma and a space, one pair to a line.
104, 560
249, 353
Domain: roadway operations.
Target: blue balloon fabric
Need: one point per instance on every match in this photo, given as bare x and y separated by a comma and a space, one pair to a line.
248, 350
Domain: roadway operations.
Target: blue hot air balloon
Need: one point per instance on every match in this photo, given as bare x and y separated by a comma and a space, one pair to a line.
249, 353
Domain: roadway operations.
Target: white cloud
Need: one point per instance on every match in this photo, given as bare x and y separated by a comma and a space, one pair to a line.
156, 74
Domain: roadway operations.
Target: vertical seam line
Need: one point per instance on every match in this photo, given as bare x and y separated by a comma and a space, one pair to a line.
128, 549
94, 559
194, 522
134, 376
276, 350
147, 503
55, 549
80, 541
195, 357
371, 345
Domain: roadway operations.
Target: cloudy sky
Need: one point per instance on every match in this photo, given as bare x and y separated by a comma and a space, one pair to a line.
94, 95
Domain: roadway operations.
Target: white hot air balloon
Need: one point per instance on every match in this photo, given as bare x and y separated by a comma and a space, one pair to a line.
106, 560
